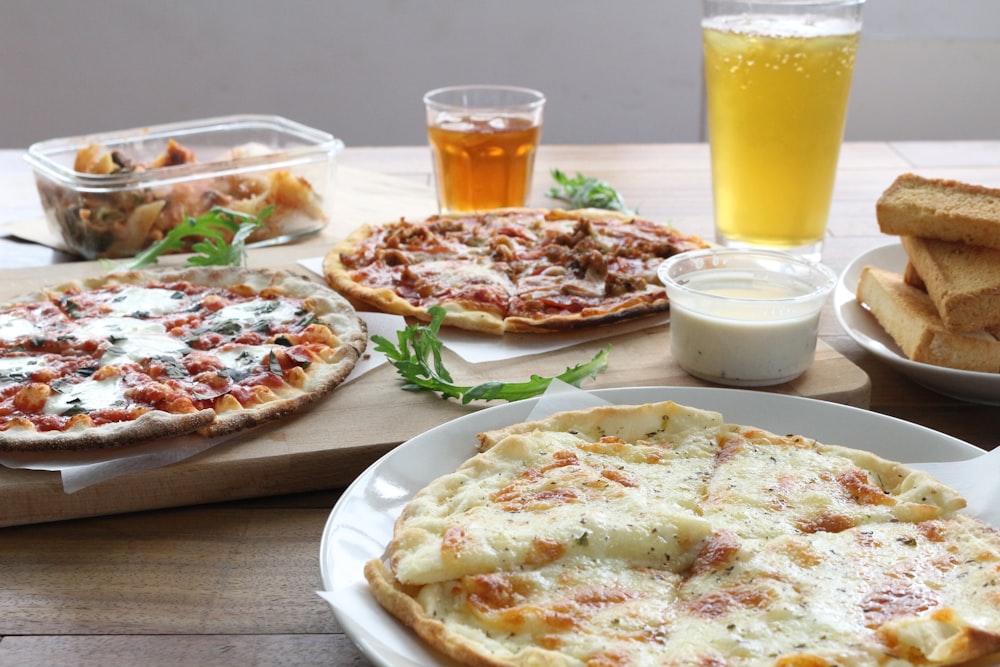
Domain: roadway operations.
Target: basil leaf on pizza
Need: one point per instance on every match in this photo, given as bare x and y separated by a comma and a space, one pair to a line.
138, 355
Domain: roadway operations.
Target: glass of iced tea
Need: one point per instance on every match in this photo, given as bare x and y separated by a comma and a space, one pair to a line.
483, 141
777, 80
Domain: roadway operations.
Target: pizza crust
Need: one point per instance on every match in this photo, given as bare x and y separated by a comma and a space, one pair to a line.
400, 602
651, 422
149, 426
647, 304
336, 273
946, 638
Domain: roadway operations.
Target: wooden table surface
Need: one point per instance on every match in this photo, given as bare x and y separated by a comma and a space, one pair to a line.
235, 583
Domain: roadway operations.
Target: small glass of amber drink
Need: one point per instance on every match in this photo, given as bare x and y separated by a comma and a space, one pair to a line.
483, 141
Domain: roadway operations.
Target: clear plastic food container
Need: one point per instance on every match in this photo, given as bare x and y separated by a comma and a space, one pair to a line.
110, 195
744, 317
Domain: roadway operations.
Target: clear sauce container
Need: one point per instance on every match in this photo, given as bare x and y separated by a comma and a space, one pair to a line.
743, 317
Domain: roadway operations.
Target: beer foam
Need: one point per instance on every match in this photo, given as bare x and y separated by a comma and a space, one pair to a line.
778, 25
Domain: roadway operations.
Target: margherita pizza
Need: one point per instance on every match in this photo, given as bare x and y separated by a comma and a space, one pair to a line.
149, 354
510, 270
660, 535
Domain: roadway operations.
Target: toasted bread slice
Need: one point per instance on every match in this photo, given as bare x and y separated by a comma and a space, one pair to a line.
962, 280
909, 316
940, 209
911, 277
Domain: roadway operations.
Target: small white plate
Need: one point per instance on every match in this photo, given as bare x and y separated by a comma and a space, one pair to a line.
869, 334
361, 524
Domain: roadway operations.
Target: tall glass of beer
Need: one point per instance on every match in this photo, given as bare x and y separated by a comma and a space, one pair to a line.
777, 80
483, 141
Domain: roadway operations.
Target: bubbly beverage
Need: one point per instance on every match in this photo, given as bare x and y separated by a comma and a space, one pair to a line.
777, 90
483, 163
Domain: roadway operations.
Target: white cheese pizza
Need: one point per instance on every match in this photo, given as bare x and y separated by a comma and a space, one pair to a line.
661, 535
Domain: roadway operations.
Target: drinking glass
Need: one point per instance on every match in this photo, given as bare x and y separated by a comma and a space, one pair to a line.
483, 141
777, 79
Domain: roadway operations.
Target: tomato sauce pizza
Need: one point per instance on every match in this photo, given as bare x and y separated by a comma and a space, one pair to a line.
510, 270
131, 356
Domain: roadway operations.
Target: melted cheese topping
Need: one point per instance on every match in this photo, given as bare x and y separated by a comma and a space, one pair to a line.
271, 310
140, 347
13, 326
765, 487
86, 396
14, 370
242, 359
146, 301
573, 498
659, 535
117, 327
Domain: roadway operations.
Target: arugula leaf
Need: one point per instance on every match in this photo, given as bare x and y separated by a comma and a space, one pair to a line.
214, 230
586, 192
417, 358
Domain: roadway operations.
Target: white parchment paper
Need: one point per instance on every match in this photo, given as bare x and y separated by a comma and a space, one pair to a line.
978, 479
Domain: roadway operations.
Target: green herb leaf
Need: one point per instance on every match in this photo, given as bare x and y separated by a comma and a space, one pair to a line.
417, 358
222, 235
586, 192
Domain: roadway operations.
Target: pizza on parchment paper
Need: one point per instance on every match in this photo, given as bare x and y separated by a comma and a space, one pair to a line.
132, 356
510, 270
660, 535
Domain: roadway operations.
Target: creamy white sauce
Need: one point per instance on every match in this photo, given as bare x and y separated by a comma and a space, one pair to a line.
743, 332
742, 352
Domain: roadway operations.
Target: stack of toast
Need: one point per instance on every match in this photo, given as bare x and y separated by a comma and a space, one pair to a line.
945, 307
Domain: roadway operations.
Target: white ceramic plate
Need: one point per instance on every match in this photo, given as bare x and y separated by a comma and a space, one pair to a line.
869, 334
361, 524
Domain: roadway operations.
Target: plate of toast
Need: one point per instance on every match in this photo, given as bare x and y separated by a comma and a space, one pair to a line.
929, 303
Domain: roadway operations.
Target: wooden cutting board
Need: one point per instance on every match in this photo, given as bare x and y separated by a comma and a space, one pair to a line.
328, 445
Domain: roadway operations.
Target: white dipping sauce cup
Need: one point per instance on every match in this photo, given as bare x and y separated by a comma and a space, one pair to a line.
743, 317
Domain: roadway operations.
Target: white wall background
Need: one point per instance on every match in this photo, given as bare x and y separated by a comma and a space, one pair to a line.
613, 70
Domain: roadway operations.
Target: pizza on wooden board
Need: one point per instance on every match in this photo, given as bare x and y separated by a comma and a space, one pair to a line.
661, 535
510, 270
133, 356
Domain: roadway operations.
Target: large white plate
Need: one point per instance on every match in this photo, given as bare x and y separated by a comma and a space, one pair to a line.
361, 524
869, 334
